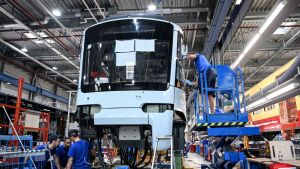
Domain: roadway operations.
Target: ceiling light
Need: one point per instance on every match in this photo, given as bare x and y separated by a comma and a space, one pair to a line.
56, 12
282, 91
24, 50
37, 41
74, 80
29, 35
262, 29
42, 34
285, 27
151, 7
8, 83
237, 2
258, 102
54, 68
272, 16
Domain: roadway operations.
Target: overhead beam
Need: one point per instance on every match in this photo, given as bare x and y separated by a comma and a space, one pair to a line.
164, 11
234, 23
278, 53
239, 46
43, 65
279, 62
259, 37
26, 68
75, 24
49, 45
216, 25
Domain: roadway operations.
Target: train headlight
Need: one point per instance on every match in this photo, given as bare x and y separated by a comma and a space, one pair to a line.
95, 109
157, 108
89, 109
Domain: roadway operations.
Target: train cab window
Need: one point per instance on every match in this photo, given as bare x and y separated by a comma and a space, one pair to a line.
127, 55
179, 70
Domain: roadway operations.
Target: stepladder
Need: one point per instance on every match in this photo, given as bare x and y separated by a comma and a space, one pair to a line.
160, 138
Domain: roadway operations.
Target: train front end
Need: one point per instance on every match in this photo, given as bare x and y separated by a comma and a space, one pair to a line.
129, 76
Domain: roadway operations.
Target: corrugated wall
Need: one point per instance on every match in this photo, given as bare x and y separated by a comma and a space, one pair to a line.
16, 72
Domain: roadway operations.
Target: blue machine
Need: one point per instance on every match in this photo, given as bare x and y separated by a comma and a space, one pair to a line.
14, 154
230, 117
229, 91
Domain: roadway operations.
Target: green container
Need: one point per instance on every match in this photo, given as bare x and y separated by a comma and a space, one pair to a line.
178, 159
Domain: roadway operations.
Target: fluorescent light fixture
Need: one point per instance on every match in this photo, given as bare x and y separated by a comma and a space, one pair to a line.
56, 12
282, 91
50, 41
283, 30
8, 83
29, 35
251, 43
24, 50
54, 68
258, 102
74, 80
37, 41
237, 61
237, 2
272, 16
151, 7
266, 24
42, 34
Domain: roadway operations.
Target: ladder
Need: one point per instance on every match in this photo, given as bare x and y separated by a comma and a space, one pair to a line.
169, 137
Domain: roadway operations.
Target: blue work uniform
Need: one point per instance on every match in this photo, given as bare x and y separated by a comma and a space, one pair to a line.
45, 163
79, 151
62, 155
202, 64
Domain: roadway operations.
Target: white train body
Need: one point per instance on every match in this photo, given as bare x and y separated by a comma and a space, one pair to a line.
130, 76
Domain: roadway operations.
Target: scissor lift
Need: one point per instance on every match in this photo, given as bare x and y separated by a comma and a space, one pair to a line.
229, 121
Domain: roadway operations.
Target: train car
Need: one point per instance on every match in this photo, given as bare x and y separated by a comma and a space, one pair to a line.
131, 81
280, 116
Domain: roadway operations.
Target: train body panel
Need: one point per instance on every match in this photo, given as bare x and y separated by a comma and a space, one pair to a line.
130, 75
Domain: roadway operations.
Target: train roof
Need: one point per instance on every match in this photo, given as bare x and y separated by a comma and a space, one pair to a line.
159, 17
144, 16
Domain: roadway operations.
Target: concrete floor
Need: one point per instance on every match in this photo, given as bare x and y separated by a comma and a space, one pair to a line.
194, 161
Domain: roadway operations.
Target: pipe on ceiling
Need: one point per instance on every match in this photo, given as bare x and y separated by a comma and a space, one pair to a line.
98, 6
35, 60
278, 53
220, 13
28, 14
88, 8
36, 35
9, 61
57, 21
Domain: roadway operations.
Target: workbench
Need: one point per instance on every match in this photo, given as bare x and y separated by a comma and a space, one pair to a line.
264, 163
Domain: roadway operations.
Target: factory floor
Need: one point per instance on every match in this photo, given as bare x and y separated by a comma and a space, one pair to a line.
194, 161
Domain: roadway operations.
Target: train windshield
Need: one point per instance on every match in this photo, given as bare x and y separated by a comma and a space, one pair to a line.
133, 54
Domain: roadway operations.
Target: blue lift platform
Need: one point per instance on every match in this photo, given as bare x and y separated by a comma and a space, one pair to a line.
230, 117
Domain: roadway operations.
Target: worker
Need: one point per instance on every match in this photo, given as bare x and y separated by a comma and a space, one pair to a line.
50, 153
62, 152
202, 64
78, 153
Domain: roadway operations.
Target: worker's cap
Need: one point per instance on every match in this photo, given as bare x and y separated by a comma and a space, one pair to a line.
52, 138
73, 133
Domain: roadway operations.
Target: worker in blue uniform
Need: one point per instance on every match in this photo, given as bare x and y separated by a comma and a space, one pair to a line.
50, 153
202, 64
62, 152
78, 153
